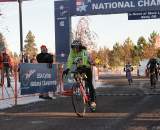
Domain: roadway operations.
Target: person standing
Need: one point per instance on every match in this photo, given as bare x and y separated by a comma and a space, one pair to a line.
44, 57
1, 67
26, 58
33, 60
6, 60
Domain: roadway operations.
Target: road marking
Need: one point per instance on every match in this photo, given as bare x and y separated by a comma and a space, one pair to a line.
64, 114
117, 94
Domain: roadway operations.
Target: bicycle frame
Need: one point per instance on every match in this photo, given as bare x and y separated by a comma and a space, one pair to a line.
85, 96
81, 99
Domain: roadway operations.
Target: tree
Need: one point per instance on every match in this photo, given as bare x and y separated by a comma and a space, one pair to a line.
2, 42
30, 46
84, 33
128, 48
103, 56
152, 38
117, 54
150, 50
138, 50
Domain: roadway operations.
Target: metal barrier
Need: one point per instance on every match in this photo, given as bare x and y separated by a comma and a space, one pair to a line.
12, 93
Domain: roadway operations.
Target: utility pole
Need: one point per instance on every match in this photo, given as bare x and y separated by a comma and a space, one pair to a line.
21, 28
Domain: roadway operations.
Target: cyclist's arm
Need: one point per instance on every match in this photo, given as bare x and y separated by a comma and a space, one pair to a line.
70, 60
148, 64
85, 58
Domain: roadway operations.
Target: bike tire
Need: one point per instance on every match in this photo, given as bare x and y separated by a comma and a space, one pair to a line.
78, 101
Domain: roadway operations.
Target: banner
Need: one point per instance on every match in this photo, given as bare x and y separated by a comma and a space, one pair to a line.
7, 0
11, 0
95, 7
144, 15
37, 78
62, 30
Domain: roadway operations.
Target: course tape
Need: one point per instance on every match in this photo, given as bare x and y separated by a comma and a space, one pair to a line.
127, 94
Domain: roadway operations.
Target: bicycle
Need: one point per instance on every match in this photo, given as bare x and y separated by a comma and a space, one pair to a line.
80, 94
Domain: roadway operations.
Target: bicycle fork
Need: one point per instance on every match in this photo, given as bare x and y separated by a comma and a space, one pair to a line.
85, 96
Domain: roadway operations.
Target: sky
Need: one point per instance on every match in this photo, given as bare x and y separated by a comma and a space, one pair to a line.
38, 16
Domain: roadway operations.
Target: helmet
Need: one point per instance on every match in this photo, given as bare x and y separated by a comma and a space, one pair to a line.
76, 44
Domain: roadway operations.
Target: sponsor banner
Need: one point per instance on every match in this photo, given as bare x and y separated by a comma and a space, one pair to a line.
11, 0
62, 30
7, 0
94, 7
144, 15
37, 78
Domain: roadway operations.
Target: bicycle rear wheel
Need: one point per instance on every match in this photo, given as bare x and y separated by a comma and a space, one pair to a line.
78, 101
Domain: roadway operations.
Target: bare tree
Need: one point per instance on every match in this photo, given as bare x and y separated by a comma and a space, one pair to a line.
84, 33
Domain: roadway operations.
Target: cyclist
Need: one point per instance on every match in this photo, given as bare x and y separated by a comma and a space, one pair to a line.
84, 64
152, 66
128, 68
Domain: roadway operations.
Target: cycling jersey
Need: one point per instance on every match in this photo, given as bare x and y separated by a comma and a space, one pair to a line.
128, 67
84, 58
152, 64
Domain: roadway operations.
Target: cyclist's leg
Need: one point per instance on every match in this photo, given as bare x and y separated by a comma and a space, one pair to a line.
90, 85
156, 72
8, 77
129, 77
151, 76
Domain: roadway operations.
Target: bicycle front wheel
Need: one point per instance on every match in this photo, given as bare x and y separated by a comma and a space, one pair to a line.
78, 101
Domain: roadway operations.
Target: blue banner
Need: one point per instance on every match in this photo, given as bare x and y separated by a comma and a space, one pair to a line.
64, 9
62, 30
144, 15
94, 7
7, 0
37, 78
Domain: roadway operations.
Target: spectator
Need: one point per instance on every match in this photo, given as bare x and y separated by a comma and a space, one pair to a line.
44, 57
1, 67
33, 60
6, 60
26, 58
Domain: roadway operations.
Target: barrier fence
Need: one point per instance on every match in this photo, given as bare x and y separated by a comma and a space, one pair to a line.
37, 74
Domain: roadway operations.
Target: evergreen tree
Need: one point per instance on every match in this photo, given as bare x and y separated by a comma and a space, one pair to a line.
30, 46
128, 48
152, 38
139, 49
2, 42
